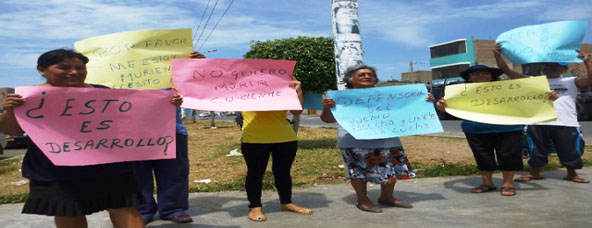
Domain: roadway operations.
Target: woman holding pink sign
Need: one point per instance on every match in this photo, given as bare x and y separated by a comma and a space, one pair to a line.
266, 133
69, 193
380, 161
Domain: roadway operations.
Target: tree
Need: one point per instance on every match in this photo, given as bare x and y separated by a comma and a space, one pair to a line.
315, 61
314, 56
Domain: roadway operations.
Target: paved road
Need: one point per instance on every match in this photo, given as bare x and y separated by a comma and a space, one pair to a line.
438, 202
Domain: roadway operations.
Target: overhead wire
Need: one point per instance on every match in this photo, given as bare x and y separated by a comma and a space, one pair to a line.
207, 21
201, 20
216, 25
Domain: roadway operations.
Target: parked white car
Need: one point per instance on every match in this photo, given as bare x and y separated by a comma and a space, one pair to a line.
205, 114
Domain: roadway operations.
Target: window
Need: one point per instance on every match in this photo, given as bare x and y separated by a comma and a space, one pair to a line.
453, 48
448, 71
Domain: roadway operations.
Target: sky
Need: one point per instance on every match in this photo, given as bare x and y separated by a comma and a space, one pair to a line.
394, 32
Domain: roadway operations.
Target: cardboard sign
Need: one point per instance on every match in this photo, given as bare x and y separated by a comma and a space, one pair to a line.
550, 42
385, 112
135, 60
88, 126
518, 101
236, 84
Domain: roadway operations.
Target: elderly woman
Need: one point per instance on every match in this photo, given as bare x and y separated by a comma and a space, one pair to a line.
70, 192
266, 133
380, 161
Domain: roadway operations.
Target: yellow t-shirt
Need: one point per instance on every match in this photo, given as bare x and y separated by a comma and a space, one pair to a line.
266, 127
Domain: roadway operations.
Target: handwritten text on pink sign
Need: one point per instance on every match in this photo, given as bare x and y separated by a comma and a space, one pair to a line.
88, 126
235, 84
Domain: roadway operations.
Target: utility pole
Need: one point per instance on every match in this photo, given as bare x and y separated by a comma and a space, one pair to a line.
346, 36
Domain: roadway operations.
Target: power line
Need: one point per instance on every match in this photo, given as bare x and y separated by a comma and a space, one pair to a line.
216, 25
207, 21
200, 20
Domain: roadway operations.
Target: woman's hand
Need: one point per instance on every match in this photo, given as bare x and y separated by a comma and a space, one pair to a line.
328, 103
583, 55
11, 101
8, 122
497, 49
441, 105
296, 85
430, 97
177, 100
327, 115
553, 95
196, 55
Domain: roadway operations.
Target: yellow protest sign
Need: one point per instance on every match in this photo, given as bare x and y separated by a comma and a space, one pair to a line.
518, 101
136, 59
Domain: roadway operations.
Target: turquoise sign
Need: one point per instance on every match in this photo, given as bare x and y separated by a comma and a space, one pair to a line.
550, 42
385, 112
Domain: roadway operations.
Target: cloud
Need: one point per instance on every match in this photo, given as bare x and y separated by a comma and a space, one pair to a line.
414, 23
30, 28
578, 10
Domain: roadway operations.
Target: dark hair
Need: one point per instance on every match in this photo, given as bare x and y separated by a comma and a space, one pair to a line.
349, 73
55, 56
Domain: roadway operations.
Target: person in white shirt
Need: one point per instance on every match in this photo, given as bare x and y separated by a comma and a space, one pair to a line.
564, 133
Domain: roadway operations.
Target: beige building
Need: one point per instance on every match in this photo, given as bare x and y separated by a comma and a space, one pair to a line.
422, 76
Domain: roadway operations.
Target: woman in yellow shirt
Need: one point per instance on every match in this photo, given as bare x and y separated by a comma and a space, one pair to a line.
266, 133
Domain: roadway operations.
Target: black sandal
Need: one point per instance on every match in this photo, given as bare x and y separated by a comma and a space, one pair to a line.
483, 188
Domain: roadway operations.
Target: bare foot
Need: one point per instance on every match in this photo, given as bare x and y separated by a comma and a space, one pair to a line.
256, 215
528, 177
296, 209
577, 179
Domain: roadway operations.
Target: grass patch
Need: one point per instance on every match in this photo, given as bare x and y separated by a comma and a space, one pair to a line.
9, 165
15, 198
317, 160
444, 170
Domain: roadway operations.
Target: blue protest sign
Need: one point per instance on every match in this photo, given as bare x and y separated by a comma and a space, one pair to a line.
550, 42
385, 112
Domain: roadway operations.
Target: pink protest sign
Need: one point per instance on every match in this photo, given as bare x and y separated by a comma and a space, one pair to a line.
235, 84
88, 126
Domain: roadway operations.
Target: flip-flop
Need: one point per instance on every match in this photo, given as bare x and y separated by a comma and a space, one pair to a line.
395, 203
528, 177
577, 179
508, 191
374, 209
483, 188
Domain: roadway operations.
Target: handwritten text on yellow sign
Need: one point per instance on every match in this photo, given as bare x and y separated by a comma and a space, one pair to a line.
519, 101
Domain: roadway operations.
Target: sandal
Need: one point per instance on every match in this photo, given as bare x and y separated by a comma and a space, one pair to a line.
508, 191
395, 203
296, 209
528, 177
257, 216
374, 209
577, 179
483, 188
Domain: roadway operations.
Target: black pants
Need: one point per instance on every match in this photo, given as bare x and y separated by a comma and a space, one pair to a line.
256, 156
506, 146
568, 141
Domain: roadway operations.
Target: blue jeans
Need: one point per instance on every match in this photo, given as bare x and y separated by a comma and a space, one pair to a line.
172, 182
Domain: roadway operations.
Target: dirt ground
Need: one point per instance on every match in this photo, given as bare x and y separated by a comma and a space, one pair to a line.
427, 150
